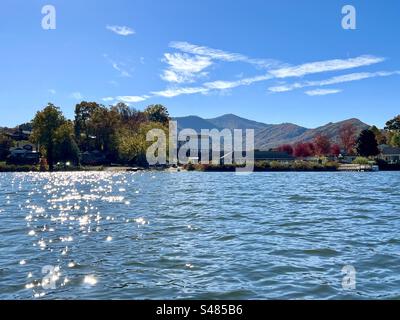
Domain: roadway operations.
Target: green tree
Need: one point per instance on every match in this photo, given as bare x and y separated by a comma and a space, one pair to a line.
125, 112
45, 125
25, 126
393, 125
83, 115
366, 144
66, 148
104, 124
157, 113
379, 135
395, 140
132, 145
5, 144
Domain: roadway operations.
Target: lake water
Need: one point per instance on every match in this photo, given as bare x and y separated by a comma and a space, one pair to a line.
102, 235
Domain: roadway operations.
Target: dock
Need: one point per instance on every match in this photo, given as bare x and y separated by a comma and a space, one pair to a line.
358, 168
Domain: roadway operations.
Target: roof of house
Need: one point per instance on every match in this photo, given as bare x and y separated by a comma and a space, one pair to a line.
272, 155
387, 150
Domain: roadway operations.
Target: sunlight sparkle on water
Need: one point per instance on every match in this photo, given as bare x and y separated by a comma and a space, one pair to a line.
141, 221
90, 280
29, 285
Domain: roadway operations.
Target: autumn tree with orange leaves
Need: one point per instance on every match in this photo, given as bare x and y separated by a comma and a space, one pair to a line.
348, 137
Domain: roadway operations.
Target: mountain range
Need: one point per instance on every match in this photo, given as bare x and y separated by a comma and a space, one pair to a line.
269, 136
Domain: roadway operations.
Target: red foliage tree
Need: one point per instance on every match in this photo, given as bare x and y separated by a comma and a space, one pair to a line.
348, 137
335, 150
303, 150
322, 145
311, 148
286, 148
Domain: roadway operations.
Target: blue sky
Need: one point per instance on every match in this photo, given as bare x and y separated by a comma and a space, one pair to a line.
271, 61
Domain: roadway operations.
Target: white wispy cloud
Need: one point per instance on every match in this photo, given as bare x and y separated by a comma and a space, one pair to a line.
76, 95
352, 77
190, 63
224, 85
334, 80
170, 93
285, 88
132, 99
322, 92
121, 30
325, 66
205, 51
184, 68
120, 67
108, 99
122, 72
52, 91
217, 54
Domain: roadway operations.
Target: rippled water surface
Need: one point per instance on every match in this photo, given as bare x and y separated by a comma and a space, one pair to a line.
161, 235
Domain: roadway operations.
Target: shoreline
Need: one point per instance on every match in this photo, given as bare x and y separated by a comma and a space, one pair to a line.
216, 169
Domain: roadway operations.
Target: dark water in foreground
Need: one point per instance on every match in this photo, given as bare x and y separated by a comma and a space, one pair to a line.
199, 235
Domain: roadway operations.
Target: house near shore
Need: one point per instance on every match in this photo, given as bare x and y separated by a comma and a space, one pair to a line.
225, 154
25, 154
93, 158
203, 143
19, 135
273, 156
389, 154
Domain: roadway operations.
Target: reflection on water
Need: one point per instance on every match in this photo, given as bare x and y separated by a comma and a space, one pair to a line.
198, 235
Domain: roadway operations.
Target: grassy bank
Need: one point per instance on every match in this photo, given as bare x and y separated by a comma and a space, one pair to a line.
36, 168
263, 166
18, 168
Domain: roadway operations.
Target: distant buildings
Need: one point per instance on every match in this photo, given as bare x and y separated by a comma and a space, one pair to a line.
389, 154
93, 158
19, 135
24, 152
225, 154
25, 155
272, 156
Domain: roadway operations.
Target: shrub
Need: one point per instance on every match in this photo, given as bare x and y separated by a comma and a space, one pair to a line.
190, 167
262, 166
304, 165
361, 160
331, 165
276, 165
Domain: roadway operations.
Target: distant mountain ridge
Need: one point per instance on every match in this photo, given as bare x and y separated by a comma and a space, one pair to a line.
269, 136
231, 121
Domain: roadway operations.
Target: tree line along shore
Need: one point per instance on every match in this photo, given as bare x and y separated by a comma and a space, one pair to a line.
100, 136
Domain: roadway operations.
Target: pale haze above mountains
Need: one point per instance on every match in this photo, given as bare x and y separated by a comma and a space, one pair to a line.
269, 136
